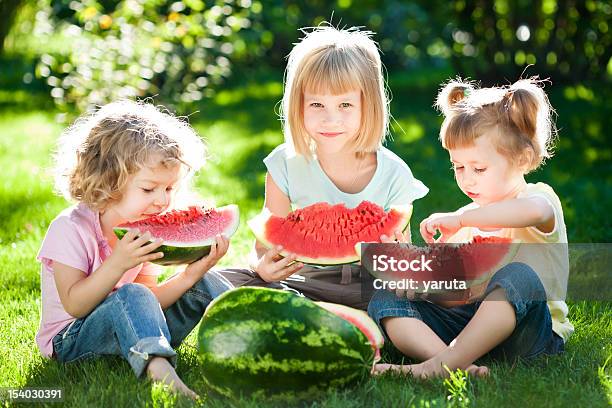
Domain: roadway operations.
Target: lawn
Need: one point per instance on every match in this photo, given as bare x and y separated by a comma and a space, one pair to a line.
240, 127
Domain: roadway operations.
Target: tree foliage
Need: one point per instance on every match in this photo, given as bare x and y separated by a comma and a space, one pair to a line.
8, 10
175, 50
568, 40
99, 50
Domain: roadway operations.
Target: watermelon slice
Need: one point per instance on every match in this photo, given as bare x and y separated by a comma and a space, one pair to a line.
473, 263
325, 234
187, 234
484, 256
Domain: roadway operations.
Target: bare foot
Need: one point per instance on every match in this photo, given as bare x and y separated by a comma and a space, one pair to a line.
433, 368
393, 368
160, 370
426, 370
423, 370
478, 371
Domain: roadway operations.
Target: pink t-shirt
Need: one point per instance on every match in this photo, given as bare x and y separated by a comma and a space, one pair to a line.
74, 238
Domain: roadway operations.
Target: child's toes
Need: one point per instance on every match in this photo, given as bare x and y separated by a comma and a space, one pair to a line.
380, 369
478, 371
483, 371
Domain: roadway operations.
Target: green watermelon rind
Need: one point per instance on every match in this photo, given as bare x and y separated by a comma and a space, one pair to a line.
258, 223
177, 253
360, 319
301, 351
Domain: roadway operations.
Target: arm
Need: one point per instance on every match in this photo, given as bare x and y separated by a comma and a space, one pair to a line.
80, 294
266, 261
516, 213
169, 291
277, 202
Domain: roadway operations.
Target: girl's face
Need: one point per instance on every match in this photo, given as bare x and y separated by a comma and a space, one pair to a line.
332, 120
148, 192
483, 174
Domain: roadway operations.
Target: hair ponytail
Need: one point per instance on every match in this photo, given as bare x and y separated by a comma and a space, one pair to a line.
521, 108
451, 94
530, 112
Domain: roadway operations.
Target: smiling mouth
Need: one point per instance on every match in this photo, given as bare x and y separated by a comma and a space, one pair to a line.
330, 134
471, 195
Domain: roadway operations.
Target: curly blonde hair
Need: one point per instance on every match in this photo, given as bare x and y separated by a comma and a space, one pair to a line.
99, 152
328, 59
520, 114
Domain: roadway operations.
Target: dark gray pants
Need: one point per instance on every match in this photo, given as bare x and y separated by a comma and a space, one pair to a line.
336, 284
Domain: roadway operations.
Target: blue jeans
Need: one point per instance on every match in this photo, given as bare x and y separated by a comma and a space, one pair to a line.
531, 337
131, 323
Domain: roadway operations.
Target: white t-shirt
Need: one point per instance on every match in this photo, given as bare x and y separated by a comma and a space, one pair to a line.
305, 183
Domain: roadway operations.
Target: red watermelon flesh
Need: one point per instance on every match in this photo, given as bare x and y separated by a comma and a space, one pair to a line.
326, 234
485, 255
188, 227
187, 234
474, 262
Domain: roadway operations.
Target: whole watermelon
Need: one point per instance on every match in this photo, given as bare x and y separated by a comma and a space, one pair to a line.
271, 343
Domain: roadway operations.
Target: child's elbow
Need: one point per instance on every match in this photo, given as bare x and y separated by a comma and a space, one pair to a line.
542, 215
74, 310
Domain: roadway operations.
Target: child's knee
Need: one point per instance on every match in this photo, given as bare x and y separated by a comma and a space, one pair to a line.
519, 285
385, 304
132, 291
211, 285
520, 278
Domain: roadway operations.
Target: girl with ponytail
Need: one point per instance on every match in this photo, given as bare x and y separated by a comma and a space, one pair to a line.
494, 137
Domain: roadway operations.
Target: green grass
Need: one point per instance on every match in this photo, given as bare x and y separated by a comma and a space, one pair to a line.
241, 128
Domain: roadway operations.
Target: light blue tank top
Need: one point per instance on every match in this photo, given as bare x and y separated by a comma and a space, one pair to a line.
305, 182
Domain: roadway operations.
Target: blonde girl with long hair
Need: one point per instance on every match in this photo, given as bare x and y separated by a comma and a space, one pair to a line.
335, 113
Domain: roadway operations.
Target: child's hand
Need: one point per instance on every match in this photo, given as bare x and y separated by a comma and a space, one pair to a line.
398, 236
447, 223
198, 269
402, 293
408, 293
131, 250
271, 267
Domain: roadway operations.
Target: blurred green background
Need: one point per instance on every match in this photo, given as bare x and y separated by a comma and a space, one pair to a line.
91, 51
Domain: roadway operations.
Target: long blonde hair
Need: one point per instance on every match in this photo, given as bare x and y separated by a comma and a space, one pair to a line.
98, 153
332, 60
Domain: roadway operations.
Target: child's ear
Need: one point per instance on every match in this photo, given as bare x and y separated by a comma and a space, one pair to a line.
525, 160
